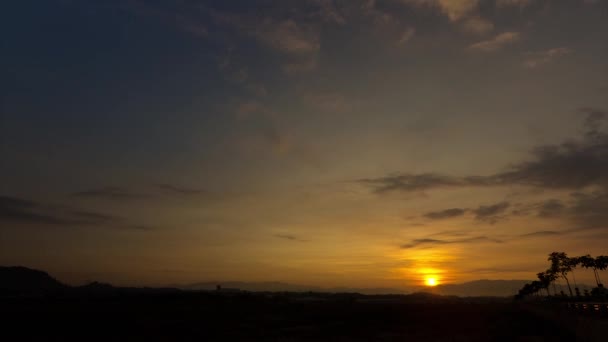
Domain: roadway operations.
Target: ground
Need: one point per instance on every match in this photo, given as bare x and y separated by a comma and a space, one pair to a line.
273, 317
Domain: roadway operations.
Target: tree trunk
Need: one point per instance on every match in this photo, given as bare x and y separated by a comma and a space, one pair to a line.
568, 283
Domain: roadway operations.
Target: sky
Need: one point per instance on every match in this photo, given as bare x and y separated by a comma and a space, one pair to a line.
330, 143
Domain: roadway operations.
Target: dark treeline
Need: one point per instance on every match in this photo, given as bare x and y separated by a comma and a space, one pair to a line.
561, 267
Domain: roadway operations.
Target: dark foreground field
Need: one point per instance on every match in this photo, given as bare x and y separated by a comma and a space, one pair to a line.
271, 317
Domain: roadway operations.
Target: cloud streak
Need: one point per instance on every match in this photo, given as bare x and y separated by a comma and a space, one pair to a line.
20, 211
498, 42
537, 59
427, 242
110, 192
289, 237
447, 213
572, 165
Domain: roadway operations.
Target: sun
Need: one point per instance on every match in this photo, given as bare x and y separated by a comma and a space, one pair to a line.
431, 281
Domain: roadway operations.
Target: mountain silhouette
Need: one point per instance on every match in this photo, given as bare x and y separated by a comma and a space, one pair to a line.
23, 280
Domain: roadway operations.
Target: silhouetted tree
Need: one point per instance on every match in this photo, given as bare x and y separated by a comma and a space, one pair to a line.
560, 265
545, 279
587, 261
601, 263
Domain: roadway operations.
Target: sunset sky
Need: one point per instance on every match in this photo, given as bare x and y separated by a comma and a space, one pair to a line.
350, 143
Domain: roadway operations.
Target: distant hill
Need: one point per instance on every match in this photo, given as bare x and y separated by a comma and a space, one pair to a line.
482, 288
23, 280
247, 286
493, 288
283, 287
477, 288
26, 281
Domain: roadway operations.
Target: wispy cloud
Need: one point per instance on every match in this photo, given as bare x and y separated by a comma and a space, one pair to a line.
573, 165
447, 213
498, 42
578, 165
491, 213
477, 25
426, 242
513, 3
289, 237
538, 59
543, 233
172, 189
488, 213
21, 211
454, 9
17, 210
406, 36
110, 192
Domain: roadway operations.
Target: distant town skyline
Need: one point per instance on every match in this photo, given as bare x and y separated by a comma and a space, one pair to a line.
327, 143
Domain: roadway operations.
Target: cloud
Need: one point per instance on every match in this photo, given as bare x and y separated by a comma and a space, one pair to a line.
454, 9
20, 211
588, 210
289, 237
17, 210
498, 42
571, 165
542, 233
110, 192
172, 189
477, 25
513, 3
491, 213
184, 18
300, 66
577, 165
488, 213
551, 208
327, 101
300, 42
421, 182
574, 164
406, 36
426, 242
457, 9
288, 36
443, 214
327, 11
538, 59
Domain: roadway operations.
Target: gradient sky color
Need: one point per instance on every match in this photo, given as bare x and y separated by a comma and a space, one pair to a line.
332, 143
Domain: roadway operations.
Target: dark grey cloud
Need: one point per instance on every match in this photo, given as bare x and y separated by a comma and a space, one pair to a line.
488, 213
93, 216
15, 210
447, 213
428, 242
551, 208
491, 213
138, 227
543, 233
422, 182
573, 164
589, 210
288, 237
110, 192
576, 164
172, 189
